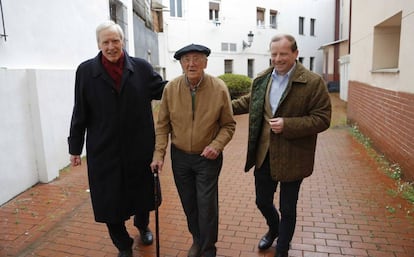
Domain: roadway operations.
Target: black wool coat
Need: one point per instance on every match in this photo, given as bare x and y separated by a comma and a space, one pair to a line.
120, 137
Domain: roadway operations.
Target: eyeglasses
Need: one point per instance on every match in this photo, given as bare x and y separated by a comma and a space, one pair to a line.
194, 59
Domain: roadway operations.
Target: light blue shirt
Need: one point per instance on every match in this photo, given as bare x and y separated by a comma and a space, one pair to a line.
278, 87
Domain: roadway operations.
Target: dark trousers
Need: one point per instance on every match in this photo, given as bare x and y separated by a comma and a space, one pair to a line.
119, 234
196, 179
288, 197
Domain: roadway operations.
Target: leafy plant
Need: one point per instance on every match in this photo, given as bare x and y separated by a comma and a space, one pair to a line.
403, 189
237, 84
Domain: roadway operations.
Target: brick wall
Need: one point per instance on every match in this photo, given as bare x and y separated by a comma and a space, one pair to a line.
387, 118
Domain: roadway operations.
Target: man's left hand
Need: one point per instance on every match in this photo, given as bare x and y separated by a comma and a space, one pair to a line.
210, 153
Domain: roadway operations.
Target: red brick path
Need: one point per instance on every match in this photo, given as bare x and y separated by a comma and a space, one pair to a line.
344, 209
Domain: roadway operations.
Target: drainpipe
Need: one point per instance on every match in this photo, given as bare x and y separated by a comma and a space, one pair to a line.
2, 21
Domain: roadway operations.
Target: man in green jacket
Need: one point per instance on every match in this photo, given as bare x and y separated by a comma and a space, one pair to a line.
288, 106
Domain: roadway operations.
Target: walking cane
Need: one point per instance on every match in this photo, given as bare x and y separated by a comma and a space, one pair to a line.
157, 199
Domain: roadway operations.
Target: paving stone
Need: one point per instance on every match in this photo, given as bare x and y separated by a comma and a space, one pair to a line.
343, 210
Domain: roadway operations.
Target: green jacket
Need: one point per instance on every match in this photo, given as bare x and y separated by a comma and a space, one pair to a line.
306, 110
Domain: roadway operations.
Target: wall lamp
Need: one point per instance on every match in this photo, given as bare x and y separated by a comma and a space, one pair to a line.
249, 40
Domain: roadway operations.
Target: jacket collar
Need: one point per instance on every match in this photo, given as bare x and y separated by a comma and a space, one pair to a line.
299, 73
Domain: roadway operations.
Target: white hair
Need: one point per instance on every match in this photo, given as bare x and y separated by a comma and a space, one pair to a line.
109, 25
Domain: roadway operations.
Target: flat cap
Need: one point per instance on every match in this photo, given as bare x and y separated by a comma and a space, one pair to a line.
192, 48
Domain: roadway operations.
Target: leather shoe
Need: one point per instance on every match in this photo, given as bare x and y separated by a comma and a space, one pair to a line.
125, 253
146, 236
267, 240
194, 250
281, 254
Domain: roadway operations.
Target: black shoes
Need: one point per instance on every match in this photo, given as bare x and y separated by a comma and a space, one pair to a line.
281, 254
125, 253
267, 240
146, 236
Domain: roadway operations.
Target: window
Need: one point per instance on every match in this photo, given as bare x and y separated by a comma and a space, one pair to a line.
311, 63
312, 27
176, 8
301, 22
260, 16
386, 48
228, 47
157, 9
143, 10
272, 19
214, 9
250, 64
301, 59
228, 66
118, 13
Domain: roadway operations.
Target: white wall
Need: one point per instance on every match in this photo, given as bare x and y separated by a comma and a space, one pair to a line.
46, 41
16, 138
237, 18
363, 24
34, 124
51, 106
50, 34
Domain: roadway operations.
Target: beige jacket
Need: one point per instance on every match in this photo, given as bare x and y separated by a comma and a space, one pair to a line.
209, 122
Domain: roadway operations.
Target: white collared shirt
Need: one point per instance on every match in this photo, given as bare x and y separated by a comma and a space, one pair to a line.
279, 84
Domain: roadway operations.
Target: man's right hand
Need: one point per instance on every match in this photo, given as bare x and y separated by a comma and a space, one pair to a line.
156, 165
75, 160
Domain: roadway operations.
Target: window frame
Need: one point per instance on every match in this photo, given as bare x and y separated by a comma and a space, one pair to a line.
273, 19
176, 8
228, 66
301, 25
214, 11
312, 27
260, 16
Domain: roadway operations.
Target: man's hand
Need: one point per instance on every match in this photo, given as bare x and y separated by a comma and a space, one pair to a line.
276, 124
156, 165
75, 160
210, 153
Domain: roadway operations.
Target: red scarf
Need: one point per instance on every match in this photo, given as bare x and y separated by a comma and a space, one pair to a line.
114, 69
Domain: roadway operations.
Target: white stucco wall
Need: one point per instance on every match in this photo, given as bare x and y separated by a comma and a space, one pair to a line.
16, 138
34, 126
237, 18
50, 34
46, 41
363, 24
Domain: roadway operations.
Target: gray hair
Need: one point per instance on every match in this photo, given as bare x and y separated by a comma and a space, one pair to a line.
109, 25
290, 38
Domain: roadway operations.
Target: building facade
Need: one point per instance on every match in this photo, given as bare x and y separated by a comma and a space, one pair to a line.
225, 25
381, 91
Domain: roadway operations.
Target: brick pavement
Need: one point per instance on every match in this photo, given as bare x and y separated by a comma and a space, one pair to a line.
343, 210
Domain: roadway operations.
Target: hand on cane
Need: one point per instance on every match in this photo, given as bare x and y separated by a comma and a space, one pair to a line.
156, 165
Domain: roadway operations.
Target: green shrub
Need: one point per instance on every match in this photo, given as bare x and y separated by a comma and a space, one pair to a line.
237, 84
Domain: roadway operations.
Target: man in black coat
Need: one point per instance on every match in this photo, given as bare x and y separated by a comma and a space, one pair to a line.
113, 94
